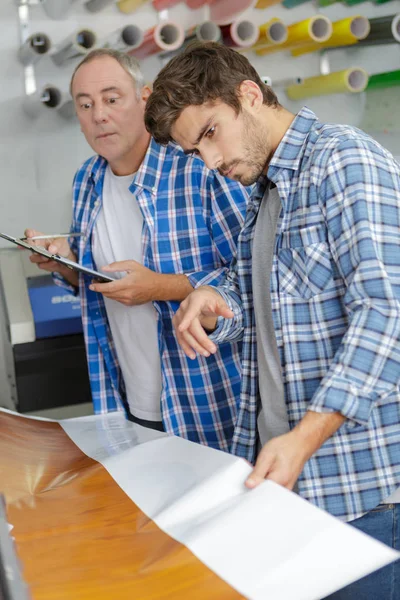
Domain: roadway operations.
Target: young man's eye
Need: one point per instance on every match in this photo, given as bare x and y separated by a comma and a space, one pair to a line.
210, 132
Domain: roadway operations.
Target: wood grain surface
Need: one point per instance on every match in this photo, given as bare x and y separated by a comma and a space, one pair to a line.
78, 535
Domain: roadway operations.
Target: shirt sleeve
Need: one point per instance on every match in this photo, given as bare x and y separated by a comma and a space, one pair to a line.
359, 194
225, 203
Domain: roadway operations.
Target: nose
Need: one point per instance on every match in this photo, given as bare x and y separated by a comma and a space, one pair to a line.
210, 155
99, 113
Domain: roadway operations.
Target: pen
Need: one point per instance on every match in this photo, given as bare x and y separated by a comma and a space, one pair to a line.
56, 235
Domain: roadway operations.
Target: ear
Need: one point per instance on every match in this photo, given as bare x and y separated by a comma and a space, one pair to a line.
250, 95
145, 92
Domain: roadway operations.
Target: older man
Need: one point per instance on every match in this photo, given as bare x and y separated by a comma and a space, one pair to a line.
169, 224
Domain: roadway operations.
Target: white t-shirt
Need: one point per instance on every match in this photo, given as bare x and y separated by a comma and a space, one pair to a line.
117, 236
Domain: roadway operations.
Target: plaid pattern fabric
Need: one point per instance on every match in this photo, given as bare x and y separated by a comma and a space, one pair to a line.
192, 218
335, 290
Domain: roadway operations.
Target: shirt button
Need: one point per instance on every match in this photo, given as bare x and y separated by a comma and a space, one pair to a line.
154, 189
96, 203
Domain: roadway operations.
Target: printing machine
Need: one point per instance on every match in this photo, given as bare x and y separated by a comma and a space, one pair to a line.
43, 351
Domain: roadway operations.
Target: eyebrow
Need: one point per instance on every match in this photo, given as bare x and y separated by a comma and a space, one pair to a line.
112, 88
201, 134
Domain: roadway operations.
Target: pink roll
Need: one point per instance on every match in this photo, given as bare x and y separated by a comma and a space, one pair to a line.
223, 12
164, 4
193, 4
167, 36
240, 34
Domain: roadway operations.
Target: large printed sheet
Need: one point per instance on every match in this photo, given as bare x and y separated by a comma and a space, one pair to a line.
103, 508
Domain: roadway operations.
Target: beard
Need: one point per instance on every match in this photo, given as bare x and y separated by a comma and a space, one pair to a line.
256, 153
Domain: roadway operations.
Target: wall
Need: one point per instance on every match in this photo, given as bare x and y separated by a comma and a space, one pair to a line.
39, 157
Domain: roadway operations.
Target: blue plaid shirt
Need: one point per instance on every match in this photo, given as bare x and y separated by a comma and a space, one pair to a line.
335, 291
192, 218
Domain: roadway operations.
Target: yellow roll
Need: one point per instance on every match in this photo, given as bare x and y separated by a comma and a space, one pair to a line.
272, 33
266, 3
315, 29
344, 33
350, 80
128, 6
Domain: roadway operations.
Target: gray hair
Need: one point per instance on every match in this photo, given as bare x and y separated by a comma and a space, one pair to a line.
128, 63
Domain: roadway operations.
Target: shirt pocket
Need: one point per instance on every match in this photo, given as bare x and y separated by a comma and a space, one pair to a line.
305, 271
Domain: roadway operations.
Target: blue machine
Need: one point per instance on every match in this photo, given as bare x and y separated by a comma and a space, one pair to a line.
55, 310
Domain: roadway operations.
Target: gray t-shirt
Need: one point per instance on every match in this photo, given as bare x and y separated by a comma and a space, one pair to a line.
272, 418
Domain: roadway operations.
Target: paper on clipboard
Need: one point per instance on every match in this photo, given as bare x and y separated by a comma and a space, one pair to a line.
74, 266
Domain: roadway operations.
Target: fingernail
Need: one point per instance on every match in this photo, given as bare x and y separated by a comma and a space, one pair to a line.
91, 287
250, 482
206, 354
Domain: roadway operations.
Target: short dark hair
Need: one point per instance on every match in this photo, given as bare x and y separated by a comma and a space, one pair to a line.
202, 73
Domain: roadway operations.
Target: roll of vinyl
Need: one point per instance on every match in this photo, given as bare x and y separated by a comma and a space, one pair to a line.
350, 80
194, 4
36, 46
287, 82
57, 9
49, 97
97, 5
315, 29
293, 3
164, 4
266, 3
240, 34
126, 38
384, 30
208, 31
272, 33
78, 43
224, 12
384, 80
167, 36
128, 6
345, 32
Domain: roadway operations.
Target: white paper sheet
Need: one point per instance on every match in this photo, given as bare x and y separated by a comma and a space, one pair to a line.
266, 543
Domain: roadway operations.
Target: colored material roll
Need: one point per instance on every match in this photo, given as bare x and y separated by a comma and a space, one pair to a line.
97, 5
240, 34
326, 2
164, 4
167, 36
315, 29
344, 33
48, 97
384, 80
384, 30
293, 3
57, 9
223, 12
77, 44
32, 50
194, 4
128, 6
352, 80
273, 32
208, 31
266, 3
124, 39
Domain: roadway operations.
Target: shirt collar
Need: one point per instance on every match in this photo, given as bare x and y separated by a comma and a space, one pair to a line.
150, 171
290, 150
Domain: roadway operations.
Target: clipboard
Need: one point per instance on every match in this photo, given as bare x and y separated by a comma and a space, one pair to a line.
100, 277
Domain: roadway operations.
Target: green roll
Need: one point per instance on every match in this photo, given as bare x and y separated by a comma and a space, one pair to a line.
327, 2
384, 80
293, 3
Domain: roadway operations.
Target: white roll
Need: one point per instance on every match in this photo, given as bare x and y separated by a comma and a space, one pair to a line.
36, 46
97, 5
78, 43
57, 9
126, 38
48, 97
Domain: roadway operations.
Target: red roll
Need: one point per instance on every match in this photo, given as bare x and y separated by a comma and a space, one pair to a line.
164, 4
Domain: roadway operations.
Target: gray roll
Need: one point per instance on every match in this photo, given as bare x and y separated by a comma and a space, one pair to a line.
77, 44
94, 6
57, 9
48, 97
36, 46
